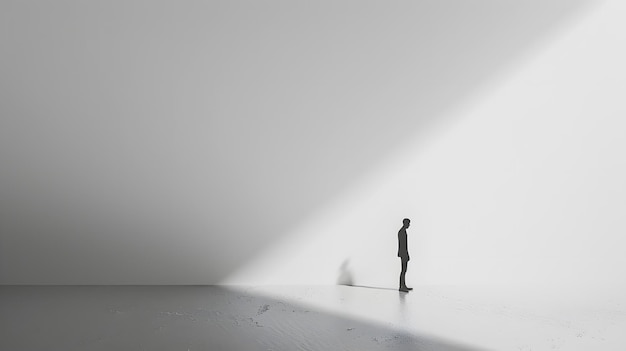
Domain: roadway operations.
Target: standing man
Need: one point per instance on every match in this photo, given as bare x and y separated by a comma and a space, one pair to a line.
403, 253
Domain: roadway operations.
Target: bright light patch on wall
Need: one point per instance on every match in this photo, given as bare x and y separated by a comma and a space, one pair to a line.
526, 187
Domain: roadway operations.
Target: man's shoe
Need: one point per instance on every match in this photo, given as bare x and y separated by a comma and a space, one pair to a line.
403, 289
406, 287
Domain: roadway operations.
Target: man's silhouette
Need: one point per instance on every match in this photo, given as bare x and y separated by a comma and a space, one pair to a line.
403, 253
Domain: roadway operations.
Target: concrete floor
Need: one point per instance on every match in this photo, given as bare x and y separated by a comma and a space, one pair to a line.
298, 318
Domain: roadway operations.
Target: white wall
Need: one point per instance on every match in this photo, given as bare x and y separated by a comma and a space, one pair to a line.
525, 185
198, 143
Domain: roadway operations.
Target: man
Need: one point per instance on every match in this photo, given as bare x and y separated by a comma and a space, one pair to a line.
403, 253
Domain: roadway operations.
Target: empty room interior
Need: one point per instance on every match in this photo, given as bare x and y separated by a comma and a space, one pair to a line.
236, 175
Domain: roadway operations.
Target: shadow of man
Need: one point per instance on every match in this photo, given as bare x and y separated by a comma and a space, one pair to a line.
345, 275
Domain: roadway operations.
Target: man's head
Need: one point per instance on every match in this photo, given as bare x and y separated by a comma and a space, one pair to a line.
406, 222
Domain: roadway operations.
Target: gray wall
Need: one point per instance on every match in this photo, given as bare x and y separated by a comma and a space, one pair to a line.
172, 142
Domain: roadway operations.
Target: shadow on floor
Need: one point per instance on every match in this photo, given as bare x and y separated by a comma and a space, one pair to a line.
370, 287
184, 318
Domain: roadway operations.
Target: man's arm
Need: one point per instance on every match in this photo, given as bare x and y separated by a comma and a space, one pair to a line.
402, 244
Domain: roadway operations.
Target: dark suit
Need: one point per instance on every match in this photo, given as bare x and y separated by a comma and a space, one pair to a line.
403, 250
403, 253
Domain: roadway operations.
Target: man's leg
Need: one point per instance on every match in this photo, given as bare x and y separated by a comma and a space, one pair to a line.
406, 268
403, 274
